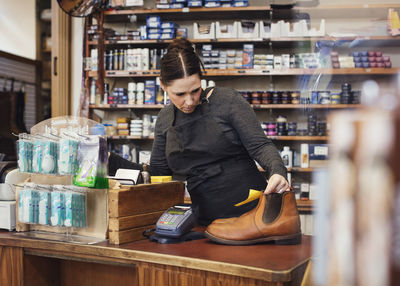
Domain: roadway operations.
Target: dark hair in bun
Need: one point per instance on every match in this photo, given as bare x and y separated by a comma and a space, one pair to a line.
180, 61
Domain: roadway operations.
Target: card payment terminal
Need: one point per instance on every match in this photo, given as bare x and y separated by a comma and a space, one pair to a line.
176, 221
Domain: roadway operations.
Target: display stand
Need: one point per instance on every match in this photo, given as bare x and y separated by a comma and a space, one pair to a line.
96, 208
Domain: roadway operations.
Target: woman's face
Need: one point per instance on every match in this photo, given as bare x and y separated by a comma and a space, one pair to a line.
185, 92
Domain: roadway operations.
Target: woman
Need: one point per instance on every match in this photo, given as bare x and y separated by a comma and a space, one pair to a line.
212, 137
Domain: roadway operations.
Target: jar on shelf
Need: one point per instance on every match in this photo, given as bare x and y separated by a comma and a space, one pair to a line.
266, 97
256, 97
295, 97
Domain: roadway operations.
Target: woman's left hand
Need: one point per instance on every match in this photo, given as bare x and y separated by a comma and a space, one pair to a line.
277, 184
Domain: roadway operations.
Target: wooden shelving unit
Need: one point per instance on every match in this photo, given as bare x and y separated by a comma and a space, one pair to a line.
261, 72
299, 138
255, 106
125, 106
305, 106
123, 137
305, 205
250, 40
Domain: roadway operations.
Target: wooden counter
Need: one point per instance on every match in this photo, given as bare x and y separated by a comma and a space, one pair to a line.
25, 261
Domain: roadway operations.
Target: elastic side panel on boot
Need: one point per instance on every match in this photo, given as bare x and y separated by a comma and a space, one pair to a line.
272, 208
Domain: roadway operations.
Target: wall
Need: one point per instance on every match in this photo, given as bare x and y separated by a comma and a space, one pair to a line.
18, 27
77, 30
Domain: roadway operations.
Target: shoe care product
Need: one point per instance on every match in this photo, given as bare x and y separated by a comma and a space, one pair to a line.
287, 157
304, 156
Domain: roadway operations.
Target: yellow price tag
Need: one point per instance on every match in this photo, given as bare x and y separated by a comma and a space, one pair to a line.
253, 195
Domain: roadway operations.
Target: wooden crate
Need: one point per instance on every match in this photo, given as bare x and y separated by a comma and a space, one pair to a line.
133, 209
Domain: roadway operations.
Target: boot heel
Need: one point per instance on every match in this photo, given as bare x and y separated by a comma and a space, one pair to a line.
289, 241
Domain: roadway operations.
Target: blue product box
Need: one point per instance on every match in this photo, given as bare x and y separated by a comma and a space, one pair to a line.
181, 33
240, 3
167, 25
153, 36
167, 36
248, 56
318, 151
57, 209
226, 4
154, 31
44, 208
178, 1
153, 22
212, 4
195, 3
150, 92
167, 31
69, 215
176, 5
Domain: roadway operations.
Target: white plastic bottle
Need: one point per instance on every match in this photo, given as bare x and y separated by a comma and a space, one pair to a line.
287, 157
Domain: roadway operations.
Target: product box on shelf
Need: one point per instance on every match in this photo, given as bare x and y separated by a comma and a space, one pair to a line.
248, 29
195, 3
226, 31
248, 55
318, 155
204, 31
212, 4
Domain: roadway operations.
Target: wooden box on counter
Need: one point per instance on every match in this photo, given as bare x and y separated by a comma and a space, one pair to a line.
133, 209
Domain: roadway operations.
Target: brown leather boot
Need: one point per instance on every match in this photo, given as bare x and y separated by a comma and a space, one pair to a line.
274, 219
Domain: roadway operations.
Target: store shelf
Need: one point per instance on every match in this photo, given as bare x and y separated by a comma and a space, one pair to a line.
123, 137
126, 106
352, 6
293, 169
299, 138
305, 106
305, 205
251, 40
262, 72
300, 170
192, 13
148, 73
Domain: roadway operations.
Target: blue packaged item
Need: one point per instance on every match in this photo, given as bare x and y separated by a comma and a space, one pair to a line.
176, 5
179, 1
25, 155
167, 31
211, 4
167, 25
167, 36
240, 3
195, 3
153, 36
67, 159
44, 207
153, 22
49, 157
314, 97
69, 214
57, 208
37, 155
150, 92
154, 31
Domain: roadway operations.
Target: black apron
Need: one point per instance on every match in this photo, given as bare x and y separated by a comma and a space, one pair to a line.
219, 172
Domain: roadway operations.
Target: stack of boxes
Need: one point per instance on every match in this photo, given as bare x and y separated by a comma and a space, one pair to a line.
123, 126
363, 59
179, 4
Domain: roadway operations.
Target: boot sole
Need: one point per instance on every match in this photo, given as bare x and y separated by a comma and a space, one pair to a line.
279, 240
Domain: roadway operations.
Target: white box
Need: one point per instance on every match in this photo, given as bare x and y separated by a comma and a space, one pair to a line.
265, 31
232, 31
7, 215
197, 35
304, 156
254, 34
